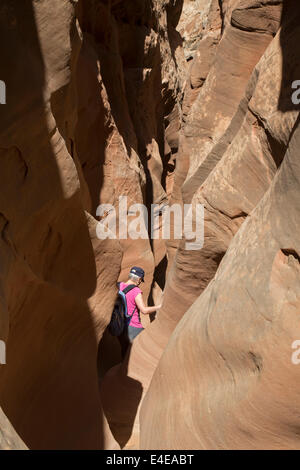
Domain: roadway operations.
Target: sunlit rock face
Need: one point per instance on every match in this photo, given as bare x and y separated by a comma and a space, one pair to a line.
158, 102
232, 140
93, 114
228, 376
9, 439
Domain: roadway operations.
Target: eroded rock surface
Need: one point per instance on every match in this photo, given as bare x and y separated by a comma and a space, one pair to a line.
53, 267
236, 339
92, 114
223, 146
161, 102
9, 440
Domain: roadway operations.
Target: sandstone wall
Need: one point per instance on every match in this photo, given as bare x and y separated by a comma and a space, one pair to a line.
93, 91
53, 267
163, 102
9, 439
202, 144
233, 384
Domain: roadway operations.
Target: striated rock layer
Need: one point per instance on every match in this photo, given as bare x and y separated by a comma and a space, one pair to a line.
232, 142
92, 114
158, 102
226, 379
57, 280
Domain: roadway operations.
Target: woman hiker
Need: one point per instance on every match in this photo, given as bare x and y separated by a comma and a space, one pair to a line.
135, 306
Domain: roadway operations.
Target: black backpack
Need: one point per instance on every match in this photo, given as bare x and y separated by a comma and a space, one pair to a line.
120, 318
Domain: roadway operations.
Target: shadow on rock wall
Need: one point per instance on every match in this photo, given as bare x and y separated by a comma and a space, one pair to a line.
49, 386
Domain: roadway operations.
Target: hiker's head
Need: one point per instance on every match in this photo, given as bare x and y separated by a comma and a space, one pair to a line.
137, 275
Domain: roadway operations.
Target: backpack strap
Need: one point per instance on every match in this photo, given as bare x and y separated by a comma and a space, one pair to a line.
132, 313
125, 291
128, 288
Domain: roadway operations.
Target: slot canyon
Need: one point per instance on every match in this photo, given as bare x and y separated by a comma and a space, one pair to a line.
165, 102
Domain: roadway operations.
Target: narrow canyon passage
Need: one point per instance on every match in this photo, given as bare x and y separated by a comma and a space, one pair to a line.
132, 111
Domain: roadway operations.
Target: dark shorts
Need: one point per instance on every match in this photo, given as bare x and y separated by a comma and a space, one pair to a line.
133, 332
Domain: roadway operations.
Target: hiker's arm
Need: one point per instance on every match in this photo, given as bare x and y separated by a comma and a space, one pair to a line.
142, 307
